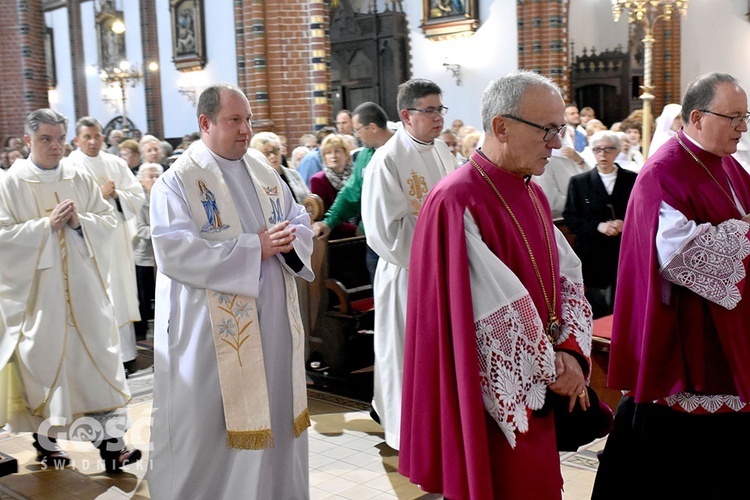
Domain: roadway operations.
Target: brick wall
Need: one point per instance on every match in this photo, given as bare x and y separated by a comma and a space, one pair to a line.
151, 79
23, 80
283, 64
665, 77
543, 39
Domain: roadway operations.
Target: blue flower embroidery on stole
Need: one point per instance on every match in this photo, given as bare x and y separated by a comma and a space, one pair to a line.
233, 329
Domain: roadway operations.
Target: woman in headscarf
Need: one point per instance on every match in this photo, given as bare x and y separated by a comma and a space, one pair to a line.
667, 125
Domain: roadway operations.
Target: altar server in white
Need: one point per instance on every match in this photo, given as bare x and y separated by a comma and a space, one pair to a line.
230, 404
396, 183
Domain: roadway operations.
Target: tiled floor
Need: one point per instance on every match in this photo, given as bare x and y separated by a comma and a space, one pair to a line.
348, 459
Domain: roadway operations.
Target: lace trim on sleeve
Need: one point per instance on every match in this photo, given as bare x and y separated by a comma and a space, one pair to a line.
576, 315
516, 363
711, 265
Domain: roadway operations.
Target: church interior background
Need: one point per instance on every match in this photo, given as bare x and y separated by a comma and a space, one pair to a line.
300, 61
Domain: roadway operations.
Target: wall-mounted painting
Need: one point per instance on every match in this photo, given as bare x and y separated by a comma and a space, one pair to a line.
188, 39
49, 57
447, 19
111, 44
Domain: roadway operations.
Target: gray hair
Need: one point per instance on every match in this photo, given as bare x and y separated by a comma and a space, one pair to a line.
262, 138
503, 96
87, 121
701, 92
606, 135
209, 102
147, 167
166, 147
44, 115
146, 139
413, 90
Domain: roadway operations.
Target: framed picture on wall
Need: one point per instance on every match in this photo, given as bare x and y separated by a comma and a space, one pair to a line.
111, 45
188, 38
49, 57
447, 19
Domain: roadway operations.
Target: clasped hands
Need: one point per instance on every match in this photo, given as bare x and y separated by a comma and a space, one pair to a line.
108, 189
277, 239
570, 380
610, 228
64, 213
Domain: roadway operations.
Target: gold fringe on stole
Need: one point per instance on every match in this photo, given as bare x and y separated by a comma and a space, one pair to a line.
301, 423
250, 440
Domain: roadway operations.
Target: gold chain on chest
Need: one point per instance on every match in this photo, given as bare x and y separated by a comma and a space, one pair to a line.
553, 323
684, 146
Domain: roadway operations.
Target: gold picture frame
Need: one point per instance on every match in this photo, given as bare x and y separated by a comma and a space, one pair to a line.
449, 19
188, 36
111, 45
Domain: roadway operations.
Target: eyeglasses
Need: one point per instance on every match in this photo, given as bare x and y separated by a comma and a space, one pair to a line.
605, 149
357, 130
549, 132
734, 120
442, 110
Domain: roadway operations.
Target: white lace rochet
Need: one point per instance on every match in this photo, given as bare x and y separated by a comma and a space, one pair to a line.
516, 360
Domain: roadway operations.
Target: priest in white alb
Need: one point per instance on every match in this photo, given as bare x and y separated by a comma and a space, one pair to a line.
59, 351
122, 190
396, 183
230, 396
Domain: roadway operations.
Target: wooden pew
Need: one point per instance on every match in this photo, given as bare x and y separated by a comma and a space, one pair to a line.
339, 312
600, 342
600, 361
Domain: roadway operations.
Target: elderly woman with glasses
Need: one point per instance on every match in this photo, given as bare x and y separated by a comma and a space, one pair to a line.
269, 144
594, 212
337, 167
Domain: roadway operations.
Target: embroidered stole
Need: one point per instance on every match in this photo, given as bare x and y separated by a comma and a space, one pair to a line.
234, 318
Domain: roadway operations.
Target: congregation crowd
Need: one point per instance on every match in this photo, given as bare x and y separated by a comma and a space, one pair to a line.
483, 305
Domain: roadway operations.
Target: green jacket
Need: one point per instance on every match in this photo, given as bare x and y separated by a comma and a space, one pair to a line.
348, 202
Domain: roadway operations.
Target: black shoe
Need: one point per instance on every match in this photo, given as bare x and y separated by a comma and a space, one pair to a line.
50, 454
374, 415
316, 363
130, 367
114, 461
